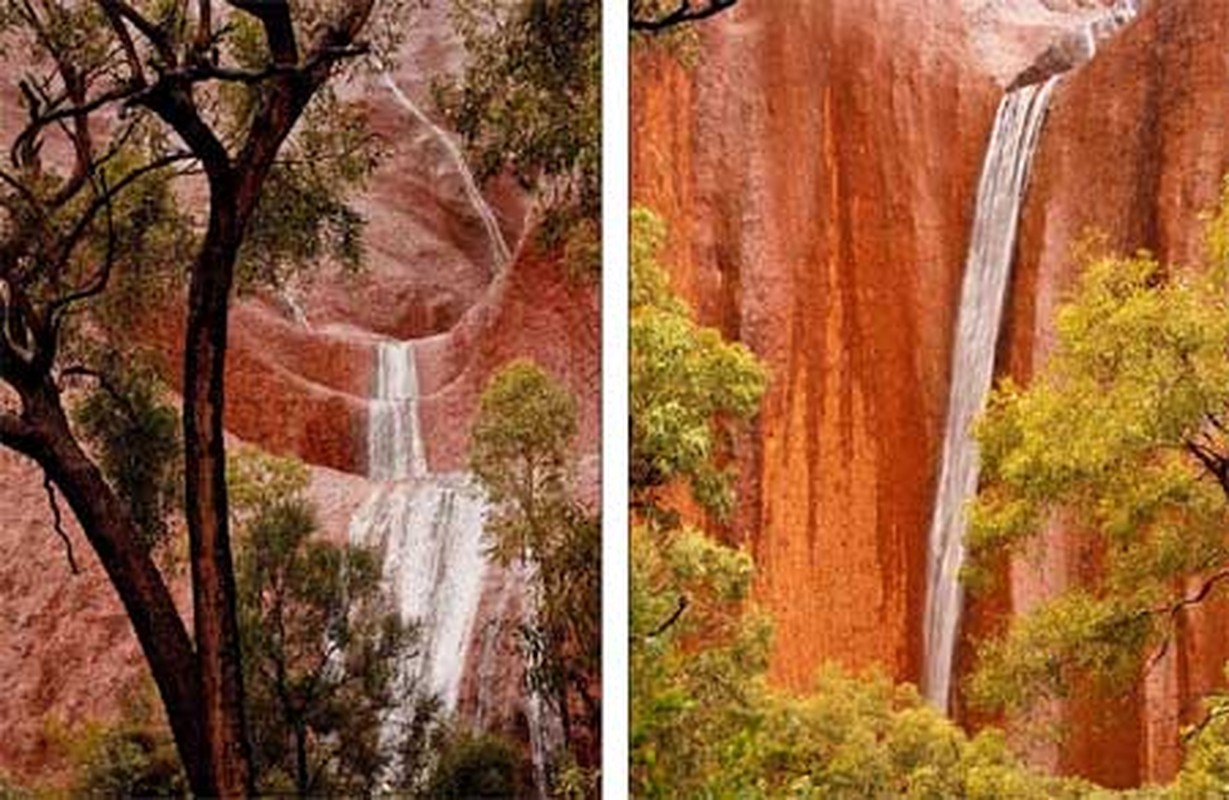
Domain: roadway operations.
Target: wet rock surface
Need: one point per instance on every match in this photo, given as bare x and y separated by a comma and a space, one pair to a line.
818, 167
300, 377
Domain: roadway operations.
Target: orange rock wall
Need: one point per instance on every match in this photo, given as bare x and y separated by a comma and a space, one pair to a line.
1134, 148
816, 168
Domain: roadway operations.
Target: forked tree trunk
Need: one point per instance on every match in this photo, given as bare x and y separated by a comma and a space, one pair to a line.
219, 665
110, 530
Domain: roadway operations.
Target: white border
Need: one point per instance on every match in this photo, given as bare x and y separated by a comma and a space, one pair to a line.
615, 260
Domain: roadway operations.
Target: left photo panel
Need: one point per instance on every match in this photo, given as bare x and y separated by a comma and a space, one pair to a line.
300, 380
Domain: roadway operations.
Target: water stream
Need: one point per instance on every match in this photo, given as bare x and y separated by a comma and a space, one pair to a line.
1000, 195
428, 526
500, 253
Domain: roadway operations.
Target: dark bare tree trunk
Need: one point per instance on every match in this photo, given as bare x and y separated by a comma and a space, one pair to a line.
302, 775
219, 663
201, 686
43, 434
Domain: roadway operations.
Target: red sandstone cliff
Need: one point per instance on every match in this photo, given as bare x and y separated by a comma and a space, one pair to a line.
66, 649
818, 167
1134, 148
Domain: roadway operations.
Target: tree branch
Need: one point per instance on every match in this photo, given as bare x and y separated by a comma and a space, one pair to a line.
101, 277
43, 117
1172, 610
24, 350
118, 9
128, 46
104, 383
103, 203
682, 14
1205, 589
58, 524
671, 620
1212, 461
274, 15
17, 434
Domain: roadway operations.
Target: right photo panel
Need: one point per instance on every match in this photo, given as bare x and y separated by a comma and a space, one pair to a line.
929, 362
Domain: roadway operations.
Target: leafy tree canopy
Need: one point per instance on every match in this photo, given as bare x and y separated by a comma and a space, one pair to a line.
1120, 440
522, 451
135, 429
322, 646
688, 385
530, 102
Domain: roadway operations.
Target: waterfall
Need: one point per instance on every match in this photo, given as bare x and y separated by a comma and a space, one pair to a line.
500, 253
430, 529
428, 526
1000, 194
394, 442
295, 308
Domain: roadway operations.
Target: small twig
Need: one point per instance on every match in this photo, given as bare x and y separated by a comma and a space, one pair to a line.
681, 15
1212, 716
58, 523
1174, 609
671, 620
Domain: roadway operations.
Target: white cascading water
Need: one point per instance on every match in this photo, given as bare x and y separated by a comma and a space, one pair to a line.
429, 528
295, 308
500, 253
1000, 194
1106, 25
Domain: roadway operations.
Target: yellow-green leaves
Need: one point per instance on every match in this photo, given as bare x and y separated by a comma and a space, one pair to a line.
688, 385
520, 451
1114, 442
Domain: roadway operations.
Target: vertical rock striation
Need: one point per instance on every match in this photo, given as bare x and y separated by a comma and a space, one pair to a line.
818, 168
1135, 149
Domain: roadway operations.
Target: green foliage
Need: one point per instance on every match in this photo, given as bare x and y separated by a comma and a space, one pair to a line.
521, 452
154, 239
304, 218
132, 762
1120, 439
257, 480
134, 756
705, 723
129, 420
321, 645
696, 660
689, 387
473, 767
530, 102
1205, 770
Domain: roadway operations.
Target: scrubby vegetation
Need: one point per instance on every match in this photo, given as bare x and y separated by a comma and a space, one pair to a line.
523, 454
1122, 431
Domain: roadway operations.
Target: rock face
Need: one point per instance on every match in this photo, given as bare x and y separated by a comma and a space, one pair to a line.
818, 167
1132, 151
300, 375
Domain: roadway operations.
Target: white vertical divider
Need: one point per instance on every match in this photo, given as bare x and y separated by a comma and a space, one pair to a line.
615, 522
